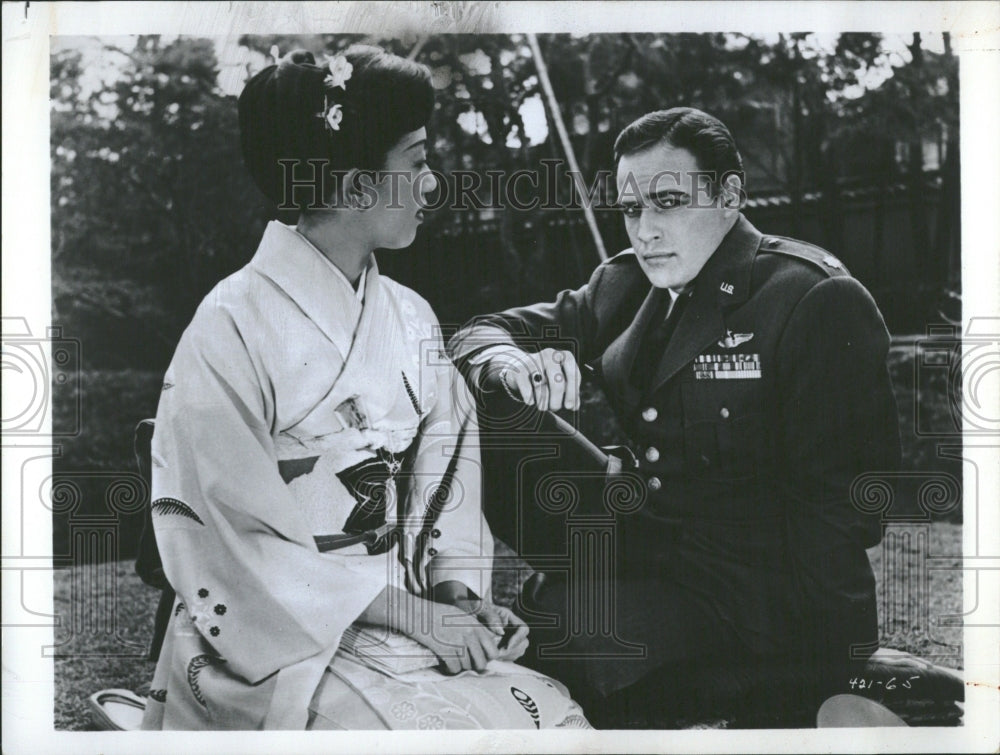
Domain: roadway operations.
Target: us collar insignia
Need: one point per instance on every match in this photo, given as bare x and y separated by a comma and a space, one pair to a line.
727, 288
732, 340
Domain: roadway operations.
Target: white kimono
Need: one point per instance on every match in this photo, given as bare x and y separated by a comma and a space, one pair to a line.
287, 373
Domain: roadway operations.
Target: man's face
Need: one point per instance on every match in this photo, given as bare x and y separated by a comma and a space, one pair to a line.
672, 220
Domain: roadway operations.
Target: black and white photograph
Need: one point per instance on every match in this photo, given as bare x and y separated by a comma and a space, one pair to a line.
501, 377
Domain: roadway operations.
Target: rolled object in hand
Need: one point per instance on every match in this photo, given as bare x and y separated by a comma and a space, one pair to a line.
601, 459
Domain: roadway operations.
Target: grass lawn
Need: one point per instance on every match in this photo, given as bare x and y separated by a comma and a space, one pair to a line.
102, 633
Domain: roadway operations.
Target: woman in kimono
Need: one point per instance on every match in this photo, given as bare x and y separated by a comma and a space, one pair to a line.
316, 481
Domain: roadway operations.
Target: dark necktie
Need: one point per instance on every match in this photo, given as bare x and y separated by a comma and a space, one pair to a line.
654, 343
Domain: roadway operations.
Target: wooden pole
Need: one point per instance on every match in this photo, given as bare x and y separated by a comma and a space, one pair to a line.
417, 48
553, 103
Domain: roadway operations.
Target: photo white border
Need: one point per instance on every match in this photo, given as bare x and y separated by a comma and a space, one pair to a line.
27, 677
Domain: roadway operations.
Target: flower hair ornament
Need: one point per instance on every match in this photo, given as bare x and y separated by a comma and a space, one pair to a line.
340, 72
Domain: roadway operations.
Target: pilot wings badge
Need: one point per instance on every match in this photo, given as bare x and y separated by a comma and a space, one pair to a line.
732, 340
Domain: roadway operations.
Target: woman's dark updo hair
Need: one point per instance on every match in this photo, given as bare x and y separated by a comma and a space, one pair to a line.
280, 113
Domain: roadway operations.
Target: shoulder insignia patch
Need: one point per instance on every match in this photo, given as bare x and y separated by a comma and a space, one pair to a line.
803, 250
171, 506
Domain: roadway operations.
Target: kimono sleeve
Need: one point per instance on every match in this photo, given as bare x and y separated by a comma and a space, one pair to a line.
233, 545
454, 541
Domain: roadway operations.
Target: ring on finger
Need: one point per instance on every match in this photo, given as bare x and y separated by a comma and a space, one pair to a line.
537, 378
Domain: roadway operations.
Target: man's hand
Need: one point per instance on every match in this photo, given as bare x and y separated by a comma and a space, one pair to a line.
548, 379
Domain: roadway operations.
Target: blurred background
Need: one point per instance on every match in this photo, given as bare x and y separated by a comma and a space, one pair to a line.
849, 141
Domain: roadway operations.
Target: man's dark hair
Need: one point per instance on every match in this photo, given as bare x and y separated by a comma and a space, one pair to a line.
703, 135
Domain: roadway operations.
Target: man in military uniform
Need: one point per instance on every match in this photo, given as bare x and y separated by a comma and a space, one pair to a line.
750, 373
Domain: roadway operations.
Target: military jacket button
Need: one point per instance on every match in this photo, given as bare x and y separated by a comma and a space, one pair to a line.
652, 454
654, 483
650, 414
724, 413
435, 533
432, 551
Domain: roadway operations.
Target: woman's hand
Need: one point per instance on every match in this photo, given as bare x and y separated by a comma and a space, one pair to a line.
511, 630
459, 638
465, 633
455, 636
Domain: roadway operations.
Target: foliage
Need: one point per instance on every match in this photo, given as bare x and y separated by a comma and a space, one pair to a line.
147, 185
111, 403
151, 205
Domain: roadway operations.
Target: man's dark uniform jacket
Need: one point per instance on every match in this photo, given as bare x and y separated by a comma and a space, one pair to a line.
769, 400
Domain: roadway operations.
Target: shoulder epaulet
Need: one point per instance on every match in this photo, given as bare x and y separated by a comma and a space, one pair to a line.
804, 251
626, 255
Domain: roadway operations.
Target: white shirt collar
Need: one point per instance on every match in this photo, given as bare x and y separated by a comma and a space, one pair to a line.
676, 292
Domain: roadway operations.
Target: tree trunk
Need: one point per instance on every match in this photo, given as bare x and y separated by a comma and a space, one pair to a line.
948, 244
915, 170
795, 172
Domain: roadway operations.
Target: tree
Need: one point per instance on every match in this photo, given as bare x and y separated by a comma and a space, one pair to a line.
151, 204
147, 185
